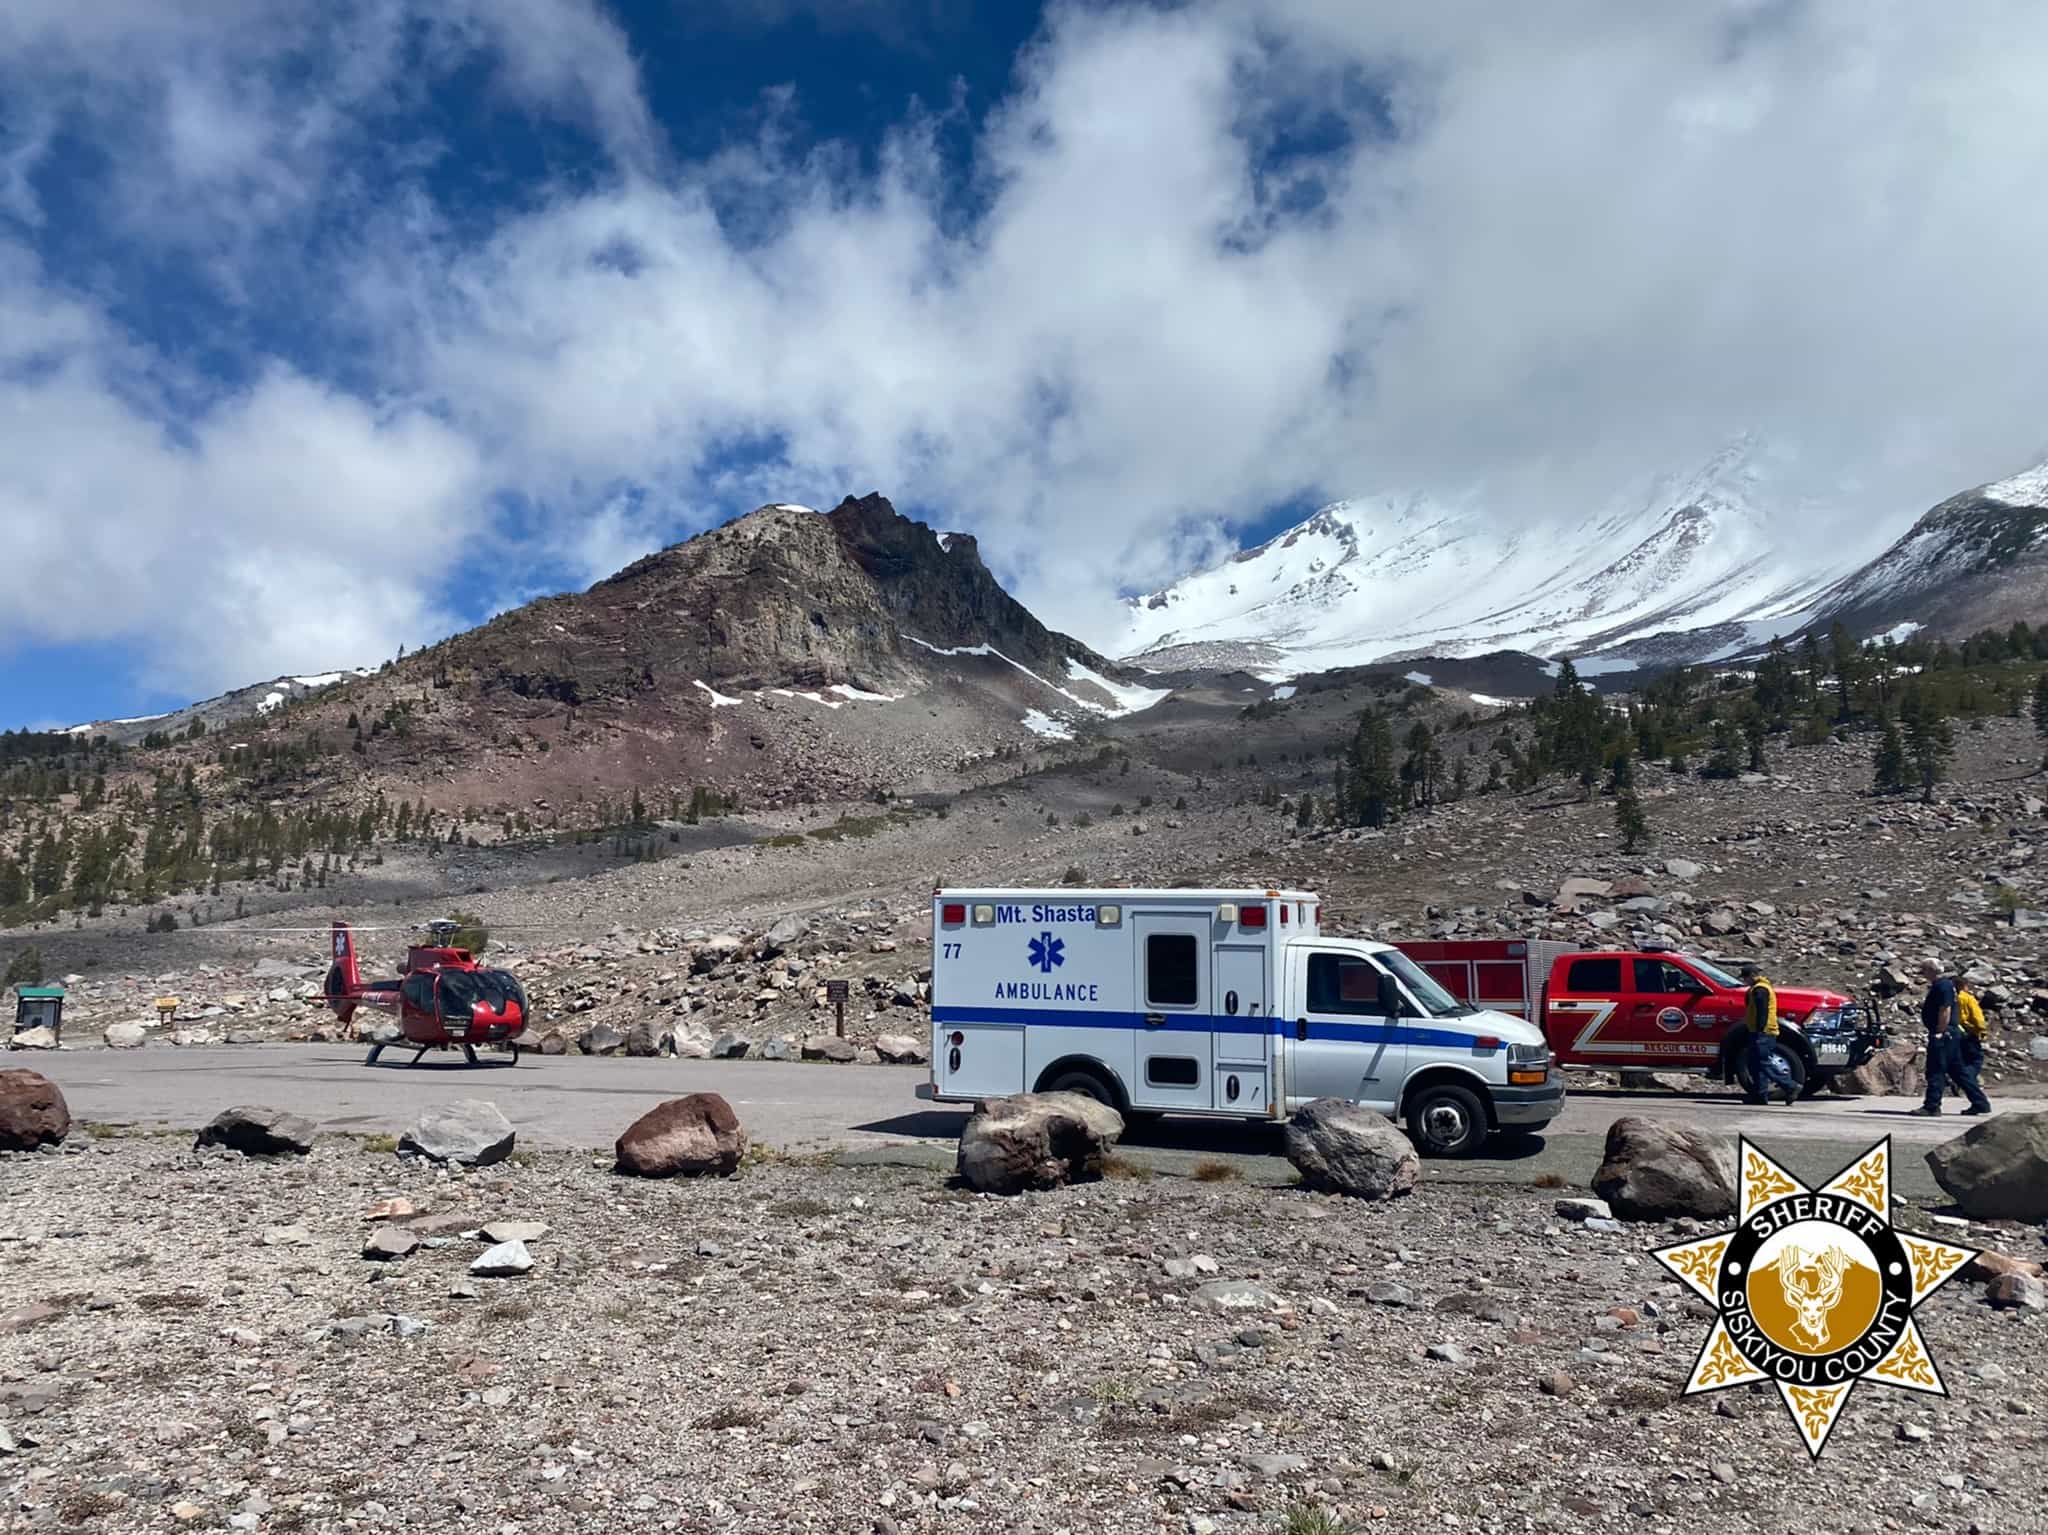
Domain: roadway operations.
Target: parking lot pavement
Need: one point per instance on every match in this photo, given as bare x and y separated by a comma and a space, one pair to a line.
585, 1101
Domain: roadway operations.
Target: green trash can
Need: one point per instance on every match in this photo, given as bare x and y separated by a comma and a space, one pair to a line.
39, 1007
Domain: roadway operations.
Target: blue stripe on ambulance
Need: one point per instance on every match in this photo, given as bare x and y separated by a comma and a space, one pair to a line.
1211, 1023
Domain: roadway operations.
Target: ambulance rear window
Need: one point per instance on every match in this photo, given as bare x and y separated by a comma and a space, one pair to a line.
1170, 969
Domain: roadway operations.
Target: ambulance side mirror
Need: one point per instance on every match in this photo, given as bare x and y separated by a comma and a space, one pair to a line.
1390, 996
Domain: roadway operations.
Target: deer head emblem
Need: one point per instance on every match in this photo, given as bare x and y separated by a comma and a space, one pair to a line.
1813, 1287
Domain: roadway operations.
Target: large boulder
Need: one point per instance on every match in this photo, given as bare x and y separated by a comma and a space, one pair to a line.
259, 1132
1655, 1170
602, 1039
643, 1039
684, 1136
781, 937
1341, 1148
902, 1049
1036, 1141
42, 1037
468, 1131
124, 1036
1999, 1170
830, 1047
32, 1111
1893, 1072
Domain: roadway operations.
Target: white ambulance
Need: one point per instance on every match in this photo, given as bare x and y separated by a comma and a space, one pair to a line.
1227, 1003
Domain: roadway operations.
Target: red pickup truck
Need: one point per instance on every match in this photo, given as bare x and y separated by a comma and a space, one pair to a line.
1655, 1009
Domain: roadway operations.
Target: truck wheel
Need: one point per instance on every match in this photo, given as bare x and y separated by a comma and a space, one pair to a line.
1793, 1061
1447, 1121
1087, 1083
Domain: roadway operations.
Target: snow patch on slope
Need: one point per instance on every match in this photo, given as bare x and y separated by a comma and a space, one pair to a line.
1129, 697
1039, 723
718, 699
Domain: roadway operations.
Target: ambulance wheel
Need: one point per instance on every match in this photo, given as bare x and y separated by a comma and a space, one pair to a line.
1088, 1084
1447, 1121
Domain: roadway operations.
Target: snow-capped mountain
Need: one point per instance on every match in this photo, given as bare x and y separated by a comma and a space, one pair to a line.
1978, 560
1394, 576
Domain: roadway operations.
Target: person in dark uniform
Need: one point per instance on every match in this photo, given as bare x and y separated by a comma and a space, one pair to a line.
1944, 1040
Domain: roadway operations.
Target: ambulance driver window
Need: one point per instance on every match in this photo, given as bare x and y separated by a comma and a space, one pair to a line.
1170, 969
1338, 983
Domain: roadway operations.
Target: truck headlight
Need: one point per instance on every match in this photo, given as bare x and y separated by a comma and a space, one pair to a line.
1528, 1065
1824, 1020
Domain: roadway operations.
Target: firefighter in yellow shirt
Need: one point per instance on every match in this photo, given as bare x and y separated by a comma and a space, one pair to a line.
1761, 1054
1966, 1055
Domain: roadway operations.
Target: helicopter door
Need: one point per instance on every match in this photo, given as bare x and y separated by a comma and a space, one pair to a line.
417, 993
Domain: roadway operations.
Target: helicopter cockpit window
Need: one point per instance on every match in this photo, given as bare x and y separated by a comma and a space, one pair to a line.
418, 993
460, 993
502, 990
463, 991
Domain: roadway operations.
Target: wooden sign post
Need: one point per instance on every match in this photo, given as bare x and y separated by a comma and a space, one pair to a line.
835, 993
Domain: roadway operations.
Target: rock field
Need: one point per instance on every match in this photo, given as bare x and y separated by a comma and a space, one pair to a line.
196, 1340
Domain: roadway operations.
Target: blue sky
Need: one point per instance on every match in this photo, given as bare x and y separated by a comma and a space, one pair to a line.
329, 329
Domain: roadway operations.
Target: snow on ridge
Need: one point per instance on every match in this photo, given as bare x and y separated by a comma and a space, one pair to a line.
1487, 701
271, 700
790, 506
718, 699
325, 679
857, 695
986, 649
1282, 694
1898, 634
1420, 679
2028, 488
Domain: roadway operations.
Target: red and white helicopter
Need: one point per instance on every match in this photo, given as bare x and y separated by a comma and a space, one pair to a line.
444, 1000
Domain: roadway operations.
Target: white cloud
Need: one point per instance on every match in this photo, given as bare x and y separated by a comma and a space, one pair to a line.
285, 525
1561, 248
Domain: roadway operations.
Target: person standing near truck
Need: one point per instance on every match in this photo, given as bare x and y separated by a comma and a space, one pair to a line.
1760, 1017
1967, 1063
1940, 1013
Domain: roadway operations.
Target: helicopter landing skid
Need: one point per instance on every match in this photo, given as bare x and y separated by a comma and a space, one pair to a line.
468, 1052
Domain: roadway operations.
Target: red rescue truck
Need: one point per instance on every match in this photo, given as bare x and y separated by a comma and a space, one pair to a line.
1654, 1009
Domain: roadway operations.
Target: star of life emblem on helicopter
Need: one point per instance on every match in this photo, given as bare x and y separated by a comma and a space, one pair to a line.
1814, 1290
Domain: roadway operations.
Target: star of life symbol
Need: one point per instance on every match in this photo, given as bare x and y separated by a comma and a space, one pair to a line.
1047, 951
1815, 1290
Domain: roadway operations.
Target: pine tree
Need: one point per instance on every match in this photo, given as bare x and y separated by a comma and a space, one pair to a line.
1630, 821
1423, 763
1374, 786
1889, 775
1753, 734
1721, 763
1930, 742
1305, 812
2041, 714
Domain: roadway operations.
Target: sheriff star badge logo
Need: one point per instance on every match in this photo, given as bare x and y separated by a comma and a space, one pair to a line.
1815, 1290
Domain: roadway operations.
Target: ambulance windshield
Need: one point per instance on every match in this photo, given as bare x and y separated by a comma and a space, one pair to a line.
1435, 1001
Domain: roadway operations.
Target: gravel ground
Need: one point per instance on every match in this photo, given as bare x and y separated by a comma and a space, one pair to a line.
194, 1341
